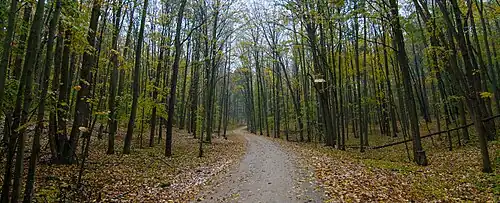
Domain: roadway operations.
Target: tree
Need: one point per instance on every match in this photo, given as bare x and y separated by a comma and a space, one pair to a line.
49, 58
135, 86
24, 98
6, 47
418, 152
173, 84
113, 123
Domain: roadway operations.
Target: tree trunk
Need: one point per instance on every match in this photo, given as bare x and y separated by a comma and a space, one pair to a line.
49, 58
469, 82
135, 86
82, 114
21, 117
22, 39
173, 84
418, 152
112, 122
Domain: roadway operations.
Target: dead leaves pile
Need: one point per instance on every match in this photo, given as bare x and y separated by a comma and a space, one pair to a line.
347, 176
145, 175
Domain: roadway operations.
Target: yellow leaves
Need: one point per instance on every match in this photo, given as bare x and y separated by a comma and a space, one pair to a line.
486, 95
101, 113
115, 52
77, 87
245, 70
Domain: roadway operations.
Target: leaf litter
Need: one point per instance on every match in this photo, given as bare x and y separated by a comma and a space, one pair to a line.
144, 175
350, 176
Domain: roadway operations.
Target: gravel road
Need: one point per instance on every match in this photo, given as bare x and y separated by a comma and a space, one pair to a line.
267, 173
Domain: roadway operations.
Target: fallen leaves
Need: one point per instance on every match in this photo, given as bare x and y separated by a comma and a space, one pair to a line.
348, 176
145, 175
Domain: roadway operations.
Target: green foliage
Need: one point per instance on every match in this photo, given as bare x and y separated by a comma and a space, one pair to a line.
10, 94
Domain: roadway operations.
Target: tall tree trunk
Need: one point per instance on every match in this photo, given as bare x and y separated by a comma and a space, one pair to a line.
55, 81
211, 72
194, 87
82, 114
360, 115
155, 96
469, 82
63, 102
173, 84
49, 59
25, 89
128, 41
135, 86
183, 91
112, 122
18, 63
226, 97
222, 93
418, 152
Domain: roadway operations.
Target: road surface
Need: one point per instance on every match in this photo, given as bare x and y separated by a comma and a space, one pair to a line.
267, 173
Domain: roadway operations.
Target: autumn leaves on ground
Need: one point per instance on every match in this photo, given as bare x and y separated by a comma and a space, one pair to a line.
335, 176
354, 177
142, 176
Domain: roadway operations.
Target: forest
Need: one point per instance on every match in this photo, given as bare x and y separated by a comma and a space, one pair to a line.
156, 100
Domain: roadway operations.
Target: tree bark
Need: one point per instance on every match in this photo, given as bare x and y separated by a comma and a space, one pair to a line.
135, 86
173, 84
418, 152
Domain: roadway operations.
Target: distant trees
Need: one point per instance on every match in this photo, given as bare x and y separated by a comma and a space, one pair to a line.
367, 68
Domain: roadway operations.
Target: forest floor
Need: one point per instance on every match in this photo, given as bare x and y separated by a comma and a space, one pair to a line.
144, 175
252, 168
267, 173
351, 176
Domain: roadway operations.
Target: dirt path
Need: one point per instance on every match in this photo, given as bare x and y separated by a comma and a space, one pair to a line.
267, 173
